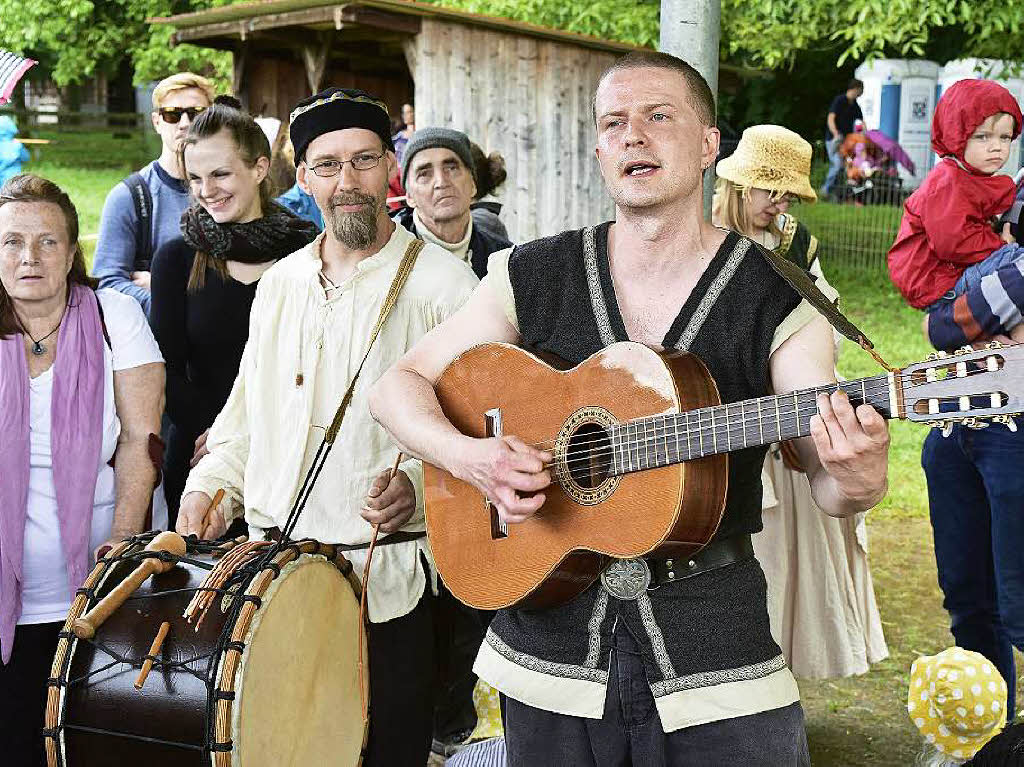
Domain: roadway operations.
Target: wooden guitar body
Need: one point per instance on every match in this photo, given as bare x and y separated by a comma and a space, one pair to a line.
590, 514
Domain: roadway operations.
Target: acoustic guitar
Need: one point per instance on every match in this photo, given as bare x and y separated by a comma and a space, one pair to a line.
640, 443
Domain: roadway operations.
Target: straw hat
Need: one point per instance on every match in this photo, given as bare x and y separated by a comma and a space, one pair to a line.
771, 157
957, 699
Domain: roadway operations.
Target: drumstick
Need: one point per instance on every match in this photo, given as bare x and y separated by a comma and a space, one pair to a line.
154, 648
217, 498
85, 627
362, 597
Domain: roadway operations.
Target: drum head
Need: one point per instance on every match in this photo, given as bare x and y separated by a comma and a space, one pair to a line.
297, 698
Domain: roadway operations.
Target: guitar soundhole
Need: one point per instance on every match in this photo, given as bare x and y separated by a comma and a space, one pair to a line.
589, 456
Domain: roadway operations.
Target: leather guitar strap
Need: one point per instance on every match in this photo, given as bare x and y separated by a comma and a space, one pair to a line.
803, 284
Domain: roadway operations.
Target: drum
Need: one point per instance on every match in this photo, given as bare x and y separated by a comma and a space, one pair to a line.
270, 676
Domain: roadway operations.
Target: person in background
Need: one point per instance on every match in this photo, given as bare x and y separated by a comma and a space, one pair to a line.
311, 324
957, 701
828, 626
440, 178
396, 190
81, 391
207, 277
12, 151
126, 244
842, 114
296, 199
490, 175
948, 241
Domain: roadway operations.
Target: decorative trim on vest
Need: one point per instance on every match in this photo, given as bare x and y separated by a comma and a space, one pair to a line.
712, 678
601, 314
541, 666
594, 629
643, 603
714, 291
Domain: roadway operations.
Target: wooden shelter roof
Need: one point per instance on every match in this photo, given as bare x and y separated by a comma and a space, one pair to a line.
265, 22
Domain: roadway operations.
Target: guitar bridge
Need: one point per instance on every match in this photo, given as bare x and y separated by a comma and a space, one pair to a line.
498, 527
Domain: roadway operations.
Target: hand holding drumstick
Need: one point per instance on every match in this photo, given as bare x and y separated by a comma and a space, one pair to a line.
391, 500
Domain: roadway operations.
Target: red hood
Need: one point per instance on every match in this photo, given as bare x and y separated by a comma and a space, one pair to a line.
965, 106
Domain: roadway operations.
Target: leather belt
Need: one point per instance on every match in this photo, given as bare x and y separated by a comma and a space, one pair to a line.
718, 553
274, 534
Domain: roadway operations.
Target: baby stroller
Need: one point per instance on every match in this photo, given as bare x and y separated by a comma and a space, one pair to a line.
872, 172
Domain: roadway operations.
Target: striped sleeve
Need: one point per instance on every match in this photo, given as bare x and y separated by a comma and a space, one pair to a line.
992, 307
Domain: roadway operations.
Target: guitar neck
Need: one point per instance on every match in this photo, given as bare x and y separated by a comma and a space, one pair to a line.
647, 443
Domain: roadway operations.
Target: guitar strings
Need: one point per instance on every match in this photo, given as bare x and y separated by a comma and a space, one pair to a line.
666, 430
785, 408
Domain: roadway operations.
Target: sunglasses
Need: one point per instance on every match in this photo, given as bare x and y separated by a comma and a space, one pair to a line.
173, 115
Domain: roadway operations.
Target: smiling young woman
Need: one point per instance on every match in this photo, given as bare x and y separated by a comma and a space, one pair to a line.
204, 282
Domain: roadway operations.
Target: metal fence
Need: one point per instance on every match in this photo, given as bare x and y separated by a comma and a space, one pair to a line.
857, 229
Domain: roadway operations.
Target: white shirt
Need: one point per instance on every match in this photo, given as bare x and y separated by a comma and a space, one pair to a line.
263, 441
45, 595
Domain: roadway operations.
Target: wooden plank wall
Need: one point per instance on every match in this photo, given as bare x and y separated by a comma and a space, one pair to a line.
528, 99
278, 83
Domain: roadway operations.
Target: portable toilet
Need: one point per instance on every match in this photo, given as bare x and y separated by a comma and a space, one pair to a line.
899, 100
1001, 71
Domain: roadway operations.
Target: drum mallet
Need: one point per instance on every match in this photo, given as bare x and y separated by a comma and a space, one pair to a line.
85, 627
154, 648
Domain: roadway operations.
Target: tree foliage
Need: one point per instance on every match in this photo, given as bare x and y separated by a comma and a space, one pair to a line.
78, 38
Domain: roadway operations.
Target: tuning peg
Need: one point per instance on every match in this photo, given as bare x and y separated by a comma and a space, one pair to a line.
1007, 421
932, 357
994, 345
945, 425
974, 423
963, 350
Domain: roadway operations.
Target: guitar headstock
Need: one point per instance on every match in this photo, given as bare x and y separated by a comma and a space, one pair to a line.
969, 386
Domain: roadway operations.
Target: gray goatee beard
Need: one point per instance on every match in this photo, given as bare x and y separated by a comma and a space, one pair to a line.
355, 230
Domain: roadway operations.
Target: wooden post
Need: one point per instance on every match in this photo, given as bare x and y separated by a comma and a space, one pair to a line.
314, 57
239, 60
691, 30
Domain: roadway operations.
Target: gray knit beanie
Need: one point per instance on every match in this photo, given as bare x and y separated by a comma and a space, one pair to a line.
437, 138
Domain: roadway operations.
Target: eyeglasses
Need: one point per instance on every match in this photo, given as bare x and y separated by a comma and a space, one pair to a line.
173, 115
329, 168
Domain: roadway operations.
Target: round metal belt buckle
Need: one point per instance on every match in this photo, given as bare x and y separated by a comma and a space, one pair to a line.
626, 578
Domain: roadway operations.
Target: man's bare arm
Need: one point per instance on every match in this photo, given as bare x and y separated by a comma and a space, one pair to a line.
846, 456
831, 120
403, 402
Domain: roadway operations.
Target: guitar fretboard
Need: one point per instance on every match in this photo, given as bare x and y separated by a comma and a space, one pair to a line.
647, 443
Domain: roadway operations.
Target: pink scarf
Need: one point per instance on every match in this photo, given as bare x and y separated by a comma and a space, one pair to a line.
76, 439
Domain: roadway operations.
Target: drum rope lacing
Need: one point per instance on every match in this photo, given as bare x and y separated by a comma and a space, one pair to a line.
208, 661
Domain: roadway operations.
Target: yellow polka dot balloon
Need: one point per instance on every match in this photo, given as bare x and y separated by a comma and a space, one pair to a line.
957, 700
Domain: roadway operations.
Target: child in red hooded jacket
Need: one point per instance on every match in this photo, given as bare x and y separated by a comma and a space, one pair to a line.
946, 242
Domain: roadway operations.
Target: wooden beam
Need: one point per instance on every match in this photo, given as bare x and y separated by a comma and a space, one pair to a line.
314, 57
371, 17
239, 59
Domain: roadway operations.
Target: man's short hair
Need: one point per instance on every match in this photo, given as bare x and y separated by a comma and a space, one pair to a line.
179, 82
702, 100
854, 83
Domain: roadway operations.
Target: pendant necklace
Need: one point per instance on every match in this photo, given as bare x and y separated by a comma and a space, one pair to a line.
37, 345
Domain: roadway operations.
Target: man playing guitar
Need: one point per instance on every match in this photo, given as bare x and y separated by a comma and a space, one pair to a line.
681, 670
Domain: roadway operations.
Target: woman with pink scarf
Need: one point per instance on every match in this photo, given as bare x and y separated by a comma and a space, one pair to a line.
81, 389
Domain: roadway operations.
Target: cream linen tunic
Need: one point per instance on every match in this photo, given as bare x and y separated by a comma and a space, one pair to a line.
263, 441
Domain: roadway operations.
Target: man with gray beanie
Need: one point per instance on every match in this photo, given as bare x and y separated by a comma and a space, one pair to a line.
440, 183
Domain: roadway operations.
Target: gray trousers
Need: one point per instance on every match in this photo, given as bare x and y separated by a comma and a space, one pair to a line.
630, 732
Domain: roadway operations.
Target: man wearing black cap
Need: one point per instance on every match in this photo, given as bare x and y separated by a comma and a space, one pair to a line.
311, 324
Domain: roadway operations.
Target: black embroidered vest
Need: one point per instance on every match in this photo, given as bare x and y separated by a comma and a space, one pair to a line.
566, 306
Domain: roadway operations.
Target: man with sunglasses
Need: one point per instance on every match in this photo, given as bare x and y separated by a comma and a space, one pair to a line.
144, 211
311, 325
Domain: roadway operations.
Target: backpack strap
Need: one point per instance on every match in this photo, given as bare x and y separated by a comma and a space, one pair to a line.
142, 199
103, 324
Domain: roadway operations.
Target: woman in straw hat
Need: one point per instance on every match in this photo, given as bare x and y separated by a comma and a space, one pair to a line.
828, 625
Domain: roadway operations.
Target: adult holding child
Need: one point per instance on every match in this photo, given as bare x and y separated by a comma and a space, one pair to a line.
949, 260
81, 387
828, 626
205, 279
